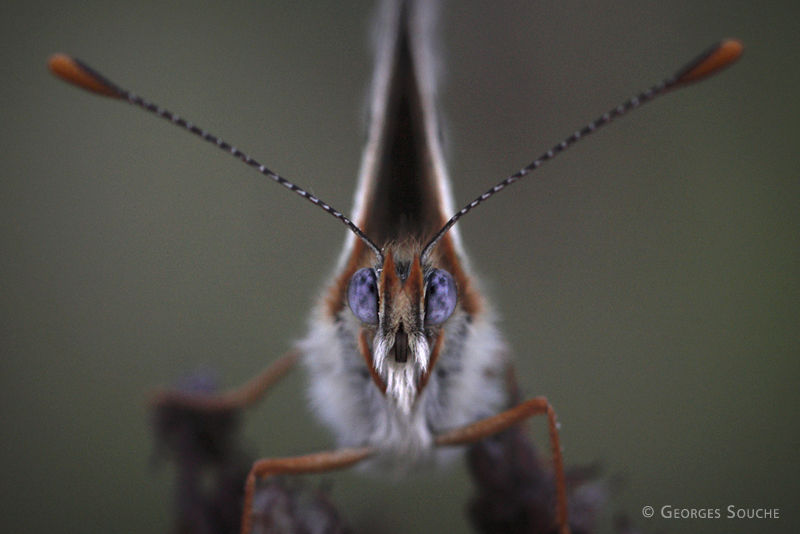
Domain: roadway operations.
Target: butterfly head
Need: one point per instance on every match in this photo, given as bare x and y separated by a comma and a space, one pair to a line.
402, 306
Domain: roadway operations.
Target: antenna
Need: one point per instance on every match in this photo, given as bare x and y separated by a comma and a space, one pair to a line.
78, 73
710, 62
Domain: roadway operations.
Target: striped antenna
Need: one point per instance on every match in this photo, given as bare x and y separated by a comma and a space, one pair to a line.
78, 73
711, 61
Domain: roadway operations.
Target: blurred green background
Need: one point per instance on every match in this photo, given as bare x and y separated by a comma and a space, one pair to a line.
647, 280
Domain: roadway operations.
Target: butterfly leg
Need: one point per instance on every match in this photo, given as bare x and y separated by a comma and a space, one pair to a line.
311, 463
236, 399
492, 425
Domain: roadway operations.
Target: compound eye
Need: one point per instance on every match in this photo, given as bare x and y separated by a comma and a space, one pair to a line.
362, 295
440, 297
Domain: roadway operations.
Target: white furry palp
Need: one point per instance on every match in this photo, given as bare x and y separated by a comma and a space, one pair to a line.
402, 379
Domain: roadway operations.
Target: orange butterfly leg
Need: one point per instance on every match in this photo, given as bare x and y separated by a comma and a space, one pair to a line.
311, 463
236, 399
492, 425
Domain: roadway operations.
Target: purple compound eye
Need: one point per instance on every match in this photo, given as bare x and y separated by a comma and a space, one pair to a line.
440, 297
362, 295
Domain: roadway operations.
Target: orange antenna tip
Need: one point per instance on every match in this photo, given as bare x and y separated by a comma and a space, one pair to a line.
75, 72
713, 60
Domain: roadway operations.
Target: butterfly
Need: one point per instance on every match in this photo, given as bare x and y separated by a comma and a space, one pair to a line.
406, 363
